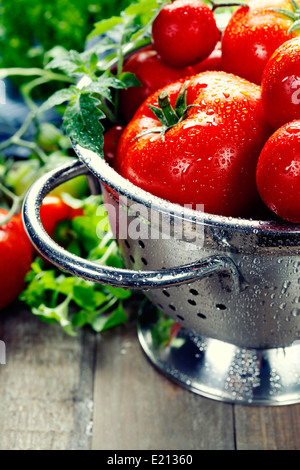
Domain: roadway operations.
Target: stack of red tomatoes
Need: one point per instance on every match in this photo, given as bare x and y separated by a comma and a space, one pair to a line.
216, 120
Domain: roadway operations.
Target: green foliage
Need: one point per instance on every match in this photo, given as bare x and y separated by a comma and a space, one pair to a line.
30, 27
55, 296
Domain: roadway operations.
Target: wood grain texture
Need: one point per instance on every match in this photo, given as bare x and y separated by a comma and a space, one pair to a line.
268, 428
100, 392
137, 408
46, 386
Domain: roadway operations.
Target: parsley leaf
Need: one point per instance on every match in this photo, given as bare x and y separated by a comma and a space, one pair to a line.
57, 297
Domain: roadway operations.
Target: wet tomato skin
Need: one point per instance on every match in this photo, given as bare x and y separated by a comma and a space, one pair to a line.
185, 32
212, 62
208, 158
278, 172
252, 35
55, 210
153, 73
111, 139
16, 256
281, 84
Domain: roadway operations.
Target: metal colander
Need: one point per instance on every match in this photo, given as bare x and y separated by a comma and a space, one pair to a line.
232, 284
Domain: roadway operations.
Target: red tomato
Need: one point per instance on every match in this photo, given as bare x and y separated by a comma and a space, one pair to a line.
210, 156
252, 35
212, 62
278, 172
16, 256
110, 142
281, 84
152, 73
185, 32
55, 210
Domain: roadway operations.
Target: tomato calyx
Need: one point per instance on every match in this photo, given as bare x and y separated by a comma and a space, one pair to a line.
293, 15
166, 114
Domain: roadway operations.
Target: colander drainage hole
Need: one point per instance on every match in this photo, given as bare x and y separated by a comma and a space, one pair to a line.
192, 302
144, 261
221, 307
127, 244
180, 317
131, 258
201, 315
166, 293
194, 292
172, 307
142, 244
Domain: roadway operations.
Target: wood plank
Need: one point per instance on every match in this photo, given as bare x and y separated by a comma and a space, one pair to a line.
137, 408
46, 385
268, 428
51, 400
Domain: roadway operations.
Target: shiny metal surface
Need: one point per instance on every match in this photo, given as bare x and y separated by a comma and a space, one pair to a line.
150, 279
223, 371
228, 280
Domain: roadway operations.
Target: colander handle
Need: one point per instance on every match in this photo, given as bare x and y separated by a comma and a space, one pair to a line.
93, 271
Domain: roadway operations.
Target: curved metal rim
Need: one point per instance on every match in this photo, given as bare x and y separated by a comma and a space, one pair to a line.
107, 175
95, 272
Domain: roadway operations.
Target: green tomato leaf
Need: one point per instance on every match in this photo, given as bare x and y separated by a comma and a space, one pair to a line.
129, 79
103, 26
102, 86
82, 122
59, 97
68, 62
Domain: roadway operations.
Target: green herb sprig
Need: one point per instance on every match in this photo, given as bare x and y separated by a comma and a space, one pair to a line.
56, 297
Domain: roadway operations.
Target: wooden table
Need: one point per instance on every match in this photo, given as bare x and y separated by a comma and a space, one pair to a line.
100, 392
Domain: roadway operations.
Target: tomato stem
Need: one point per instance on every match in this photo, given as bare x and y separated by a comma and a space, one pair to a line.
180, 105
225, 4
166, 114
169, 112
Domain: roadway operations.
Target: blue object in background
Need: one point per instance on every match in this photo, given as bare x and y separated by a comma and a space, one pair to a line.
13, 113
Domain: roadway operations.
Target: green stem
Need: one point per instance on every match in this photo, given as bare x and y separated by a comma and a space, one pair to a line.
126, 50
295, 5
165, 105
181, 105
29, 72
16, 201
18, 134
107, 306
27, 88
111, 116
16, 139
107, 253
33, 147
25, 126
227, 4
